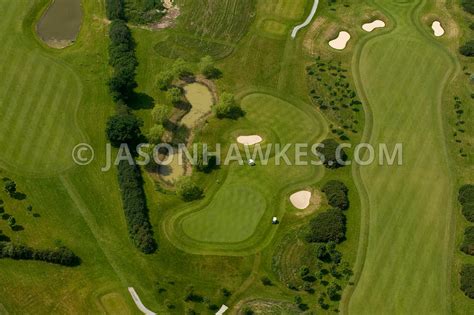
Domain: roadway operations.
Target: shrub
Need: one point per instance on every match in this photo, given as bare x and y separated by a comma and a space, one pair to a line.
467, 245
468, 5
181, 68
466, 194
175, 95
124, 129
467, 280
115, 9
336, 193
202, 163
155, 134
10, 187
266, 281
468, 212
329, 154
164, 80
327, 226
160, 114
188, 190
208, 69
228, 107
467, 49
143, 11
135, 207
60, 256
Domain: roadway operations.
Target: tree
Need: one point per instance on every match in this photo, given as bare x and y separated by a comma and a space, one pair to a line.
175, 95
124, 129
333, 291
266, 281
114, 9
467, 280
327, 226
329, 154
467, 49
188, 190
467, 245
228, 107
208, 69
203, 164
468, 212
155, 134
468, 5
466, 194
164, 80
160, 114
10, 187
181, 68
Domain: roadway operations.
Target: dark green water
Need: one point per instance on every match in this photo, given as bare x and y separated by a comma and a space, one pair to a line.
61, 22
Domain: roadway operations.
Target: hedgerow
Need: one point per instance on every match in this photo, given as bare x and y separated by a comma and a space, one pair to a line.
135, 207
467, 280
467, 245
60, 256
466, 199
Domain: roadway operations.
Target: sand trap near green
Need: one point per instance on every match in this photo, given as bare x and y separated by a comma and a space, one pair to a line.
232, 216
340, 42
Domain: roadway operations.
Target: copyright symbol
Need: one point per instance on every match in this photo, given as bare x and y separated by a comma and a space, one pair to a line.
83, 154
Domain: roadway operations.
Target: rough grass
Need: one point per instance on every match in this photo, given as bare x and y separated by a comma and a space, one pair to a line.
409, 207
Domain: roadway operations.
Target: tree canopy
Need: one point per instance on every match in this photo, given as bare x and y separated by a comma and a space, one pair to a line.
124, 129
327, 226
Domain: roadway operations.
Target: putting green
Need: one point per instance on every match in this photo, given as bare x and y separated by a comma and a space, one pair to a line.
406, 269
232, 216
238, 215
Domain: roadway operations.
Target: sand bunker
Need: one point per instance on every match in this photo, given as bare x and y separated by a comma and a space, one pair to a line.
249, 140
341, 41
437, 29
369, 27
301, 199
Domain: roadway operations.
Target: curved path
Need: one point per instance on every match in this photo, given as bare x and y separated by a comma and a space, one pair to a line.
307, 21
404, 257
139, 303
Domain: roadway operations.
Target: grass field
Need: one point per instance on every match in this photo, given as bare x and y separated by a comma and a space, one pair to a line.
403, 74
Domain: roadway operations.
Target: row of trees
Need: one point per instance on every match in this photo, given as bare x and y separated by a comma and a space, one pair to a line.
124, 127
466, 199
60, 256
467, 49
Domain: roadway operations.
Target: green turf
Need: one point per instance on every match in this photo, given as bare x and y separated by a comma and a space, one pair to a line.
402, 75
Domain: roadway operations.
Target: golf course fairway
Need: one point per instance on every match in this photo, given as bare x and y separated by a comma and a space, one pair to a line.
402, 74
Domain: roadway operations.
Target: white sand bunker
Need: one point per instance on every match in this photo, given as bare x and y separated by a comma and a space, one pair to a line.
437, 29
341, 41
249, 140
301, 199
369, 27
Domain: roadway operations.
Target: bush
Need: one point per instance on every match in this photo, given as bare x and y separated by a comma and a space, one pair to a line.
175, 95
135, 207
155, 134
467, 245
160, 114
266, 281
336, 193
201, 164
468, 5
468, 212
327, 226
115, 9
164, 80
328, 154
60, 256
208, 69
467, 49
181, 68
228, 107
188, 190
467, 280
124, 129
466, 194
143, 11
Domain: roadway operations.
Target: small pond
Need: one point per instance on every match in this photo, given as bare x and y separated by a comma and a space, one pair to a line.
60, 24
201, 100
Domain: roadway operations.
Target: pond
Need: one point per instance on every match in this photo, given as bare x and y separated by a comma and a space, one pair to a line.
201, 100
60, 24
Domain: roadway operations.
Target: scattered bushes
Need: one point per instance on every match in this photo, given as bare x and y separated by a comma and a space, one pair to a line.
467, 280
60, 256
228, 107
467, 245
327, 226
330, 156
124, 129
136, 211
336, 193
188, 190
